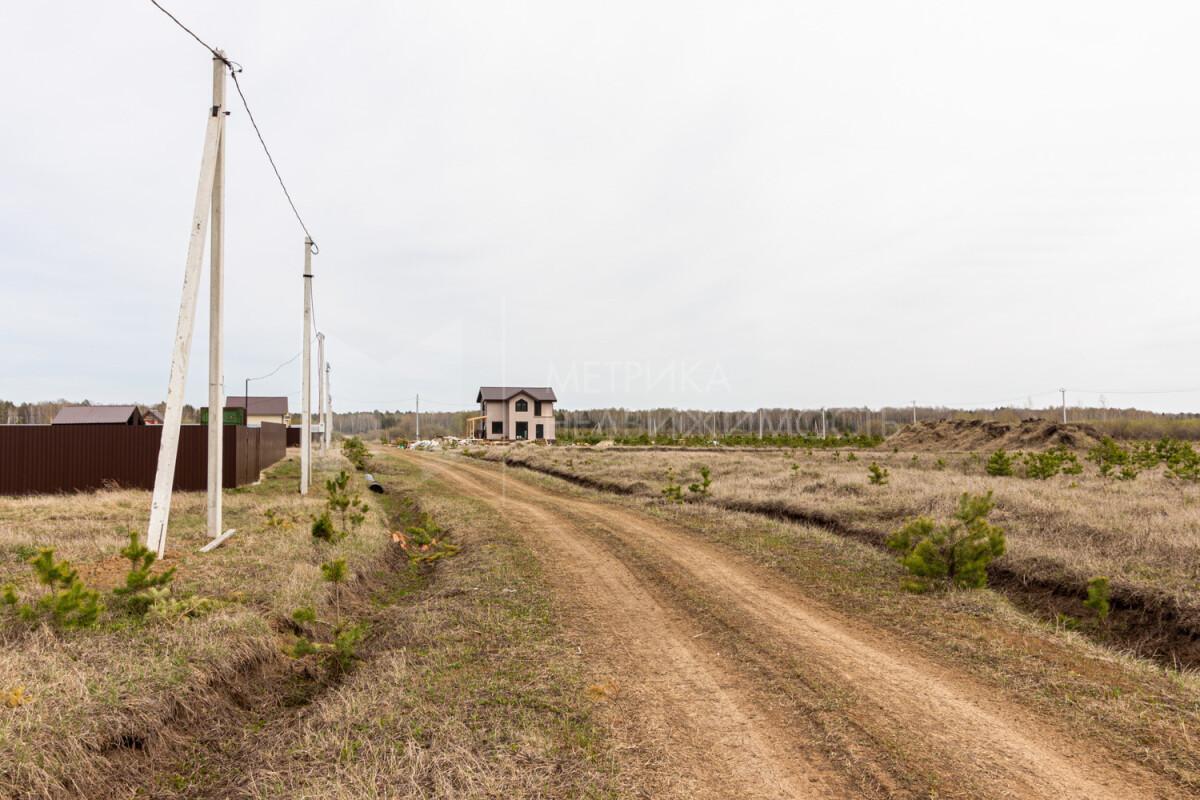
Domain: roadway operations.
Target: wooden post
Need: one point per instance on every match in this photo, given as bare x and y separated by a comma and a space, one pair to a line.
216, 328
321, 389
306, 389
164, 477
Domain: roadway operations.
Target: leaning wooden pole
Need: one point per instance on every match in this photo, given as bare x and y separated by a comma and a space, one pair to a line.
306, 389
164, 477
216, 327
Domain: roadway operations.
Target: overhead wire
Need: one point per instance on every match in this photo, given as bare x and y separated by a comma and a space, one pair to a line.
234, 69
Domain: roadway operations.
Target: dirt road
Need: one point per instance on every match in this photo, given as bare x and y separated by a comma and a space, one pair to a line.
751, 690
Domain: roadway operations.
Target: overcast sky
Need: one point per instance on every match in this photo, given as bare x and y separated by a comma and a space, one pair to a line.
713, 205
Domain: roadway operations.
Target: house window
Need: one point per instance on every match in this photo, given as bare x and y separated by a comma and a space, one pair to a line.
537, 409
522, 405
498, 428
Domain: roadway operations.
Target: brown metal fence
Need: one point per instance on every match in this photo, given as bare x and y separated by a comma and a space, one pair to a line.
44, 459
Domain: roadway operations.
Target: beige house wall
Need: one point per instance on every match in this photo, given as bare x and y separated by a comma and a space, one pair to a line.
506, 413
258, 419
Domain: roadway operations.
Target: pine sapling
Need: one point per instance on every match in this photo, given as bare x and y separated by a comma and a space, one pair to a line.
322, 528
142, 588
66, 600
335, 572
877, 475
672, 491
1098, 597
1000, 464
957, 552
701, 488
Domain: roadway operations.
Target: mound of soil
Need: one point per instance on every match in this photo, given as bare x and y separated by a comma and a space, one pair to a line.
977, 434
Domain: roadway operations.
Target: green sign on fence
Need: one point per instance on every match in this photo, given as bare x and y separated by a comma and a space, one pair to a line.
235, 415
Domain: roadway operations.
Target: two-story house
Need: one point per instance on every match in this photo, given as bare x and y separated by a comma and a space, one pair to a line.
515, 412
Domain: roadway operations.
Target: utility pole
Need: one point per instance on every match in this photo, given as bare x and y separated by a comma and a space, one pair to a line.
1064, 405
328, 409
321, 389
914, 412
164, 476
760, 423
216, 329
822, 423
418, 417
306, 389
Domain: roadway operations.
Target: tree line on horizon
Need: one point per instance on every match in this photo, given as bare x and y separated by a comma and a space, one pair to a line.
1121, 423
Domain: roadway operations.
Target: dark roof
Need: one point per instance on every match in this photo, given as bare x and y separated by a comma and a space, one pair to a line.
505, 392
98, 415
262, 406
150, 412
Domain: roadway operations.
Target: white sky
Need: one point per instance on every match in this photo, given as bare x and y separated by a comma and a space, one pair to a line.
717, 205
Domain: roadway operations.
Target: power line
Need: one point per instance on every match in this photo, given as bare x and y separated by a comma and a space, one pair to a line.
234, 69
237, 85
191, 33
281, 366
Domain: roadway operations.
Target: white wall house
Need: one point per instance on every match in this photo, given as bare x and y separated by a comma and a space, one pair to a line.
513, 413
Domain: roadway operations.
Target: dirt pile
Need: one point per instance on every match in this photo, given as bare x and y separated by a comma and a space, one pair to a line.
977, 434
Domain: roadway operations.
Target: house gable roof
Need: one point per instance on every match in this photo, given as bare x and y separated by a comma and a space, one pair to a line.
98, 415
261, 406
506, 392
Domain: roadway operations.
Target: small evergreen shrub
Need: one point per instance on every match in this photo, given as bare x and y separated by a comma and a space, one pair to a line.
142, 588
1000, 464
1047, 464
672, 491
350, 508
877, 475
355, 452
940, 464
335, 572
701, 488
65, 601
1108, 456
955, 553
1098, 597
322, 528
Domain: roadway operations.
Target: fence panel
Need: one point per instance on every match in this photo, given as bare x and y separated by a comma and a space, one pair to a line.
40, 459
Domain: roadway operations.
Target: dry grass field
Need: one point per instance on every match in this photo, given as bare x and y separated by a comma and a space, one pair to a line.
1144, 534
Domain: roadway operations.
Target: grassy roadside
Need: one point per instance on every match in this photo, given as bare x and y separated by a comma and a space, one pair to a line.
91, 700
1128, 704
461, 687
469, 690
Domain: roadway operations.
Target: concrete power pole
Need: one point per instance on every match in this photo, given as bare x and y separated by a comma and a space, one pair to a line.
164, 476
914, 412
418, 418
822, 423
306, 389
216, 329
1064, 405
321, 390
328, 410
